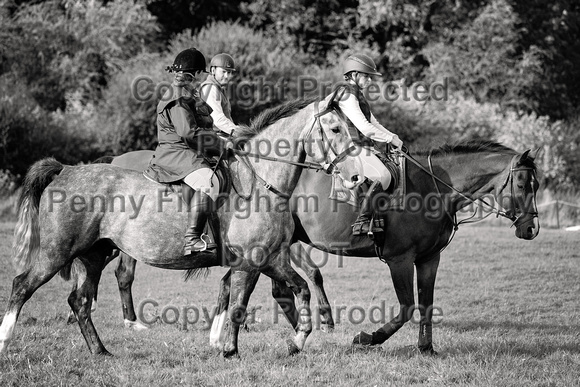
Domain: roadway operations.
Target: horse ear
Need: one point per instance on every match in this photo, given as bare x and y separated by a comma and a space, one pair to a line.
524, 155
533, 154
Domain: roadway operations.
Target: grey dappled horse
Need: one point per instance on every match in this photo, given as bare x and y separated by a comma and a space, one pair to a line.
53, 229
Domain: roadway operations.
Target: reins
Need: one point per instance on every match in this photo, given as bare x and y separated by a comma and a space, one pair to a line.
328, 168
468, 220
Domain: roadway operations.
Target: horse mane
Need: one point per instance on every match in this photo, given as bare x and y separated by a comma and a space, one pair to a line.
473, 146
476, 146
270, 116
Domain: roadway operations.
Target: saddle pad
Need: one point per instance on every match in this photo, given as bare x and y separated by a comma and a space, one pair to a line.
396, 167
176, 187
397, 202
340, 193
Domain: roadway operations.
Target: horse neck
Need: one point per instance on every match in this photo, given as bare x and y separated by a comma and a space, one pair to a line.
472, 174
282, 141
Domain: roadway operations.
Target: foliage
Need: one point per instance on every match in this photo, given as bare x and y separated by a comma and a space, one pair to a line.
61, 56
125, 119
28, 133
432, 123
553, 27
73, 46
558, 142
482, 60
267, 73
314, 27
511, 66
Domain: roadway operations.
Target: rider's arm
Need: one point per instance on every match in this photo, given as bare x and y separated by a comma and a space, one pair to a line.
183, 121
374, 130
210, 94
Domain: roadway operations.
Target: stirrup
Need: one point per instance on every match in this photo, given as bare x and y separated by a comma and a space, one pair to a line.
360, 227
368, 227
207, 245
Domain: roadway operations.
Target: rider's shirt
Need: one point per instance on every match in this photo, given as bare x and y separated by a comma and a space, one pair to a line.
355, 107
214, 95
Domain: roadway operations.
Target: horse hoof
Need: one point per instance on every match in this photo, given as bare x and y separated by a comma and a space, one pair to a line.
363, 338
429, 351
292, 347
327, 328
135, 325
105, 353
230, 354
216, 345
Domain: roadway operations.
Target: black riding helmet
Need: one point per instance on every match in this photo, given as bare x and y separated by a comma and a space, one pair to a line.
189, 61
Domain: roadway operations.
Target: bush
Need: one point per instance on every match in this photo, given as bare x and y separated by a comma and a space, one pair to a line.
28, 133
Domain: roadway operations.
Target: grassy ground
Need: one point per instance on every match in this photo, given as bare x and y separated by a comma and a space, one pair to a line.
510, 316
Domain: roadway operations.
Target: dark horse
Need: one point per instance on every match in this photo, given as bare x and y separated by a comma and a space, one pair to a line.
86, 212
443, 182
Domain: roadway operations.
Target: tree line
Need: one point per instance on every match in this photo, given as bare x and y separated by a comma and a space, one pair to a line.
511, 69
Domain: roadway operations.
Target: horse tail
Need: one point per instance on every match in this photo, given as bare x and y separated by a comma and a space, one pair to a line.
72, 270
26, 245
200, 272
104, 160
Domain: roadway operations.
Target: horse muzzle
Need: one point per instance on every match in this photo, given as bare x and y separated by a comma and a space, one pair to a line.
352, 182
527, 227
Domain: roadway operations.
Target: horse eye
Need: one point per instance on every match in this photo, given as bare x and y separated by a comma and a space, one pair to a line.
336, 129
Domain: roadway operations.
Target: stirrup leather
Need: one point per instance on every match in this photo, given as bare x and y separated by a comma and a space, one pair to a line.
362, 227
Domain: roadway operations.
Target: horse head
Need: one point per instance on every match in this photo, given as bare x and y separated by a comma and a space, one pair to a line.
520, 199
336, 149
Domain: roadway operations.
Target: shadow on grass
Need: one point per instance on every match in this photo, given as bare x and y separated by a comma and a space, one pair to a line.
475, 325
545, 339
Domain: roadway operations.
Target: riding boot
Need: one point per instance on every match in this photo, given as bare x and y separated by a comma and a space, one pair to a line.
199, 208
366, 209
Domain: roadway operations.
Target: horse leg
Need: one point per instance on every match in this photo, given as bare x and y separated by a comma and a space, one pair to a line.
402, 272
285, 298
426, 273
23, 287
279, 269
217, 333
81, 298
243, 282
125, 273
71, 319
313, 273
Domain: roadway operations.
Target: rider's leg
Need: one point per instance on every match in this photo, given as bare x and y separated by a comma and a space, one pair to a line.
381, 177
206, 187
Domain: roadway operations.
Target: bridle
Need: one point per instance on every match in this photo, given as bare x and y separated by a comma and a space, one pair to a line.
513, 202
330, 168
499, 211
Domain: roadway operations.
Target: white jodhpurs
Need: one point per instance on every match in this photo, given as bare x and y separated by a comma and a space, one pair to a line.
204, 180
374, 169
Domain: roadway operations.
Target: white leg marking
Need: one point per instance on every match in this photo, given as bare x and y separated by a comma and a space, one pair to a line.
135, 325
6, 330
216, 336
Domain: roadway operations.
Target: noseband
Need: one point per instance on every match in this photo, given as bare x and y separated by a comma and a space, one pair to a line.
510, 180
328, 167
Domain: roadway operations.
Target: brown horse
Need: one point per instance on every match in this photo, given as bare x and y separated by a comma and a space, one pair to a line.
86, 212
438, 186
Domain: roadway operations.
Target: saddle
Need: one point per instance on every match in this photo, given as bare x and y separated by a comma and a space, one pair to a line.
184, 192
396, 164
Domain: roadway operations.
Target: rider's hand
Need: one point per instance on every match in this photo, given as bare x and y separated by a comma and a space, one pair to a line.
396, 142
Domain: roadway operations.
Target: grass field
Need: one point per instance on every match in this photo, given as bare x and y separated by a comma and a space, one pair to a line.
510, 317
